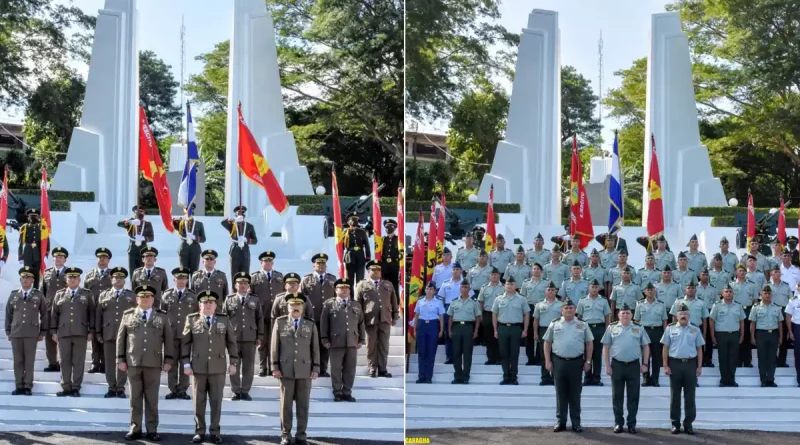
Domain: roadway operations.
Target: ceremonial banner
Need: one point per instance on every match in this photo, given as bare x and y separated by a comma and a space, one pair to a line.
401, 245
415, 285
188, 187
153, 170
491, 231
431, 263
377, 227
440, 229
655, 206
751, 219
580, 218
46, 223
337, 223
255, 168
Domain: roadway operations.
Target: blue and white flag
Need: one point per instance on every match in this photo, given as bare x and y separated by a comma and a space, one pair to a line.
188, 188
615, 211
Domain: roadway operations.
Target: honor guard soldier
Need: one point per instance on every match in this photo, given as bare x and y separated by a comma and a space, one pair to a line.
729, 260
544, 313
464, 316
697, 260
566, 342
71, 326
651, 314
53, 280
380, 308
356, 249
625, 292
649, 273
178, 302
242, 235
467, 256
391, 255
595, 312
295, 361
140, 232
486, 297
478, 275
96, 281
192, 234
247, 319
744, 293
766, 331
266, 283
727, 333
208, 371
30, 240
280, 306
143, 360
682, 363
596, 272
624, 344
318, 287
555, 270
501, 257
209, 278
518, 269
342, 333
781, 293
510, 319
27, 322
538, 254
429, 327
668, 291
576, 287
151, 275
111, 307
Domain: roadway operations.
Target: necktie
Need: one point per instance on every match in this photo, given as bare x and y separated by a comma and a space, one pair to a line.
208, 275
102, 272
377, 283
144, 317
25, 296
208, 321
295, 324
73, 294
180, 294
269, 276
344, 303
321, 278
148, 273
118, 293
58, 273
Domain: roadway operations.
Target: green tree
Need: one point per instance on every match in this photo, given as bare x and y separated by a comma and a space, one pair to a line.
157, 91
209, 89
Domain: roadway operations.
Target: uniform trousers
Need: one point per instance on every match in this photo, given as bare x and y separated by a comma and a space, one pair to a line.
189, 256
144, 382
767, 348
509, 338
242, 379
567, 375
448, 342
343, 370
492, 353
98, 357
531, 346
114, 376
135, 256
625, 378
796, 333
547, 377
427, 342
708, 349
783, 348
462, 348
378, 346
593, 375
177, 381
239, 259
654, 368
324, 353
683, 378
207, 387
24, 352
295, 391
728, 352
356, 266
391, 273
51, 346
746, 348
263, 350
73, 361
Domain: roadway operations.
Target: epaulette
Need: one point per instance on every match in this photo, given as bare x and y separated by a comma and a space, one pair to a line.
158, 268
193, 314
748, 280
130, 311
486, 284
309, 319
161, 311
614, 322
281, 317
636, 322
219, 314
672, 324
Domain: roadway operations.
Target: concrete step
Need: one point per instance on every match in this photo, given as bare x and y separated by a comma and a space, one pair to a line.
703, 380
480, 357
535, 371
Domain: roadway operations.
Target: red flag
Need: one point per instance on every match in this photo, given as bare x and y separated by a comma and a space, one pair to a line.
376, 221
337, 223
3, 211
255, 168
401, 244
440, 229
580, 218
415, 285
153, 170
46, 224
431, 245
751, 219
655, 205
782, 225
491, 230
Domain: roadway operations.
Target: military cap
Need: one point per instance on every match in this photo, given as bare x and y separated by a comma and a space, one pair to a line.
119, 271
137, 208
539, 236
661, 238
291, 277
456, 265
751, 257
145, 291
741, 266
320, 258
468, 235
60, 251
567, 302
649, 285
625, 307
149, 250
446, 251
33, 212
717, 256
431, 285
180, 272
102, 251
209, 253
766, 289
576, 264
775, 267
704, 270
501, 237
623, 251
556, 249
786, 251
465, 282
649, 254
482, 253
723, 240
594, 252
551, 285
682, 255
727, 286
683, 308
691, 282
627, 269
373, 264
594, 282
241, 276
353, 216
776, 241
389, 221
520, 249
667, 268
239, 208
693, 238
73, 272
511, 280
341, 283
26, 271
207, 296
493, 270
296, 298
268, 255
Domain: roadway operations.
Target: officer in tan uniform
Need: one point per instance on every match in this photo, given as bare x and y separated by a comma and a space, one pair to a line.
379, 305
53, 280
26, 325
98, 280
266, 283
280, 306
178, 302
318, 287
295, 361
244, 312
144, 348
343, 332
208, 371
150, 275
112, 304
71, 326
209, 278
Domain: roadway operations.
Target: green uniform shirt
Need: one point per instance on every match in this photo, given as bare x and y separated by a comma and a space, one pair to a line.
598, 273
580, 256
615, 275
761, 261
510, 309
568, 338
593, 310
720, 278
650, 314
759, 280
744, 293
608, 259
727, 316
478, 276
646, 275
557, 273
547, 312
533, 291
488, 294
626, 293
683, 341
468, 258
542, 257
697, 261
501, 258
575, 290
697, 309
683, 276
781, 293
520, 272
664, 259
729, 262
766, 317
626, 341
668, 293
464, 310
709, 294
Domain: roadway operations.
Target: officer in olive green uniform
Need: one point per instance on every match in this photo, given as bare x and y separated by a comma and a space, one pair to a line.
652, 315
567, 342
478, 275
244, 312
538, 254
698, 312
53, 280
98, 280
318, 287
280, 306
766, 329
697, 260
199, 331
381, 310
533, 289
178, 302
26, 324
755, 275
649, 273
624, 343
192, 234
343, 332
544, 312
356, 249
683, 364
112, 304
510, 318
464, 316
611, 248
208, 278
486, 298
72, 325
29, 252
595, 312
781, 294
668, 291
467, 256
391, 255
501, 257
518, 269
151, 275
576, 287
266, 283
144, 360
745, 293
727, 332
242, 235
295, 361
594, 271
140, 232
625, 292
555, 270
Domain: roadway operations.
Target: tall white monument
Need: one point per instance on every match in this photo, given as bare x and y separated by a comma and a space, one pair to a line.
527, 165
102, 156
254, 80
671, 116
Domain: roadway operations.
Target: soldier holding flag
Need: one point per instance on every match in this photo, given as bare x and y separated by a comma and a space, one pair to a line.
140, 232
30, 241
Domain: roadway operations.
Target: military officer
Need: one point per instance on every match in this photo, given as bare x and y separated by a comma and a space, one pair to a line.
151, 275
766, 331
112, 304
478, 275
464, 316
544, 313
615, 273
663, 255
668, 291
792, 318
652, 315
727, 333
96, 281
29, 253
538, 254
280, 306
244, 313
209, 278
533, 289
199, 331
26, 324
718, 275
696, 259
467, 256
775, 259
710, 295
501, 257
429, 328
71, 326
356, 249
682, 274
744, 293
518, 269
295, 361
755, 275
556, 271
242, 235
343, 333
649, 273
266, 283
319, 287
178, 302
192, 234
683, 364
143, 360
510, 319
761, 260
781, 293
381, 310
442, 271
53, 280
789, 272
611, 247
698, 312
486, 299
575, 253
624, 293
140, 232
4, 242
596, 271
626, 351
567, 342
391, 255
576, 287
449, 291
729, 260
595, 312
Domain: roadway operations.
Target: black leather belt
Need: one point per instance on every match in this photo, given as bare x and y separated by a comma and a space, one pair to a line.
569, 358
727, 332
509, 324
594, 325
625, 363
768, 331
654, 327
464, 322
684, 360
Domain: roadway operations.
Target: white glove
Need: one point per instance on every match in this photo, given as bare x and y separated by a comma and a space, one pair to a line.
190, 236
566, 237
239, 218
2, 263
134, 222
242, 239
139, 238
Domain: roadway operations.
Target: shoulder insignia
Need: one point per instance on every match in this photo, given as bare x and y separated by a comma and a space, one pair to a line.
615, 322
161, 311
193, 314
673, 324
130, 311
282, 317
307, 318
218, 315
636, 322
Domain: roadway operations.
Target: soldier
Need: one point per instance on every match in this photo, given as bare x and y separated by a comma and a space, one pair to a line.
510, 319
501, 257
151, 275
140, 232
761, 260
178, 302
556, 271
391, 255
467, 256
448, 292
652, 315
26, 324
343, 333
538, 254
667, 291
718, 276
29, 252
209, 278
266, 283
575, 253
615, 273
53, 280
242, 235
624, 293
478, 275
649, 273
464, 316
766, 331
781, 294
442, 271
576, 287
775, 259
710, 295
682, 359
611, 247
596, 271
4, 242
96, 281
727, 333
518, 269
544, 313
663, 255
729, 260
112, 304
792, 319
280, 306
789, 272
744, 293
379, 305
143, 360
696, 259
624, 344
755, 275
192, 234
244, 313
207, 371
429, 327
356, 248
295, 361
486, 299
71, 326
594, 311
318, 287
683, 274
698, 312
533, 289
566, 342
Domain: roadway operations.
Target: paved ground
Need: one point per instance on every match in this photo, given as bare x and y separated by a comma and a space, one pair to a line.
166, 439
545, 436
